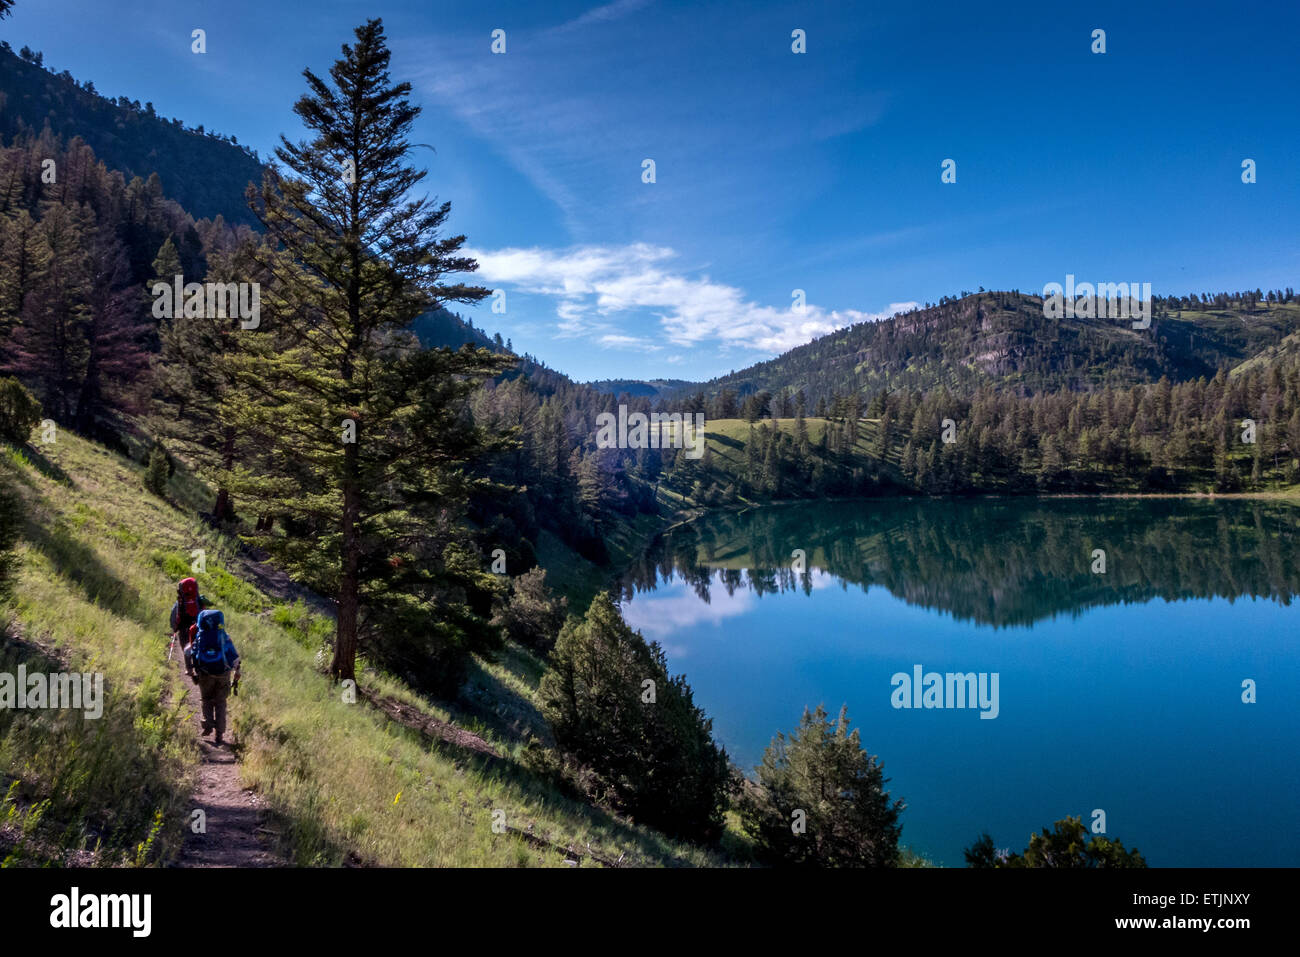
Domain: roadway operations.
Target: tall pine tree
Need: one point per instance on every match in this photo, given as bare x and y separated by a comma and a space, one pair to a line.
369, 449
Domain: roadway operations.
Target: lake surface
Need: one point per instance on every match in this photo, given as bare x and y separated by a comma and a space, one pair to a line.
1120, 691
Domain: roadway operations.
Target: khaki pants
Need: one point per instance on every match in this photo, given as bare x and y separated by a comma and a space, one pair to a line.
214, 690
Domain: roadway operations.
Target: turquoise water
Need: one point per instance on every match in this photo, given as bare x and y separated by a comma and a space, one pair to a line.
1119, 691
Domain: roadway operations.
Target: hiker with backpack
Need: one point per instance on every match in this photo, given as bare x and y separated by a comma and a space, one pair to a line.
185, 612
214, 662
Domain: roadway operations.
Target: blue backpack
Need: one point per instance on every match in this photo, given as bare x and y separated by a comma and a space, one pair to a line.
209, 651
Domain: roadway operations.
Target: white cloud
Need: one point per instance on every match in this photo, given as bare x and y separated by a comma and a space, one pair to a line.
603, 14
629, 342
602, 290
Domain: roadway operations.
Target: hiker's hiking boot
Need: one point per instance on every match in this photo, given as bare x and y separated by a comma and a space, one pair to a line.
219, 741
208, 729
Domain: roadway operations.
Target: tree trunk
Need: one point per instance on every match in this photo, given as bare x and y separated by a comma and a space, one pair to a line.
223, 510
222, 504
84, 415
345, 645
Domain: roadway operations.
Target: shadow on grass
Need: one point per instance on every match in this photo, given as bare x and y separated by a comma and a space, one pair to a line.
542, 790
725, 440
37, 460
532, 786
77, 562
492, 703
99, 787
303, 836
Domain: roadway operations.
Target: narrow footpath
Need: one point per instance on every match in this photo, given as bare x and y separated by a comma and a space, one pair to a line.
237, 830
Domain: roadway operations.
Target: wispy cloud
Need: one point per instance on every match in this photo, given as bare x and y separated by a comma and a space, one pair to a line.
629, 342
577, 106
608, 293
603, 14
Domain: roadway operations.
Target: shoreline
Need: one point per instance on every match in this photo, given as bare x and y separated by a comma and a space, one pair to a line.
679, 517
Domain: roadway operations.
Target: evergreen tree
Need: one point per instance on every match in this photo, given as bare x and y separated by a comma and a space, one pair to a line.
370, 439
822, 771
50, 345
196, 373
115, 334
155, 476
613, 706
20, 252
1067, 845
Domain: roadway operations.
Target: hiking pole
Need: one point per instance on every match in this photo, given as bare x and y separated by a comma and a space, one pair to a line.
171, 647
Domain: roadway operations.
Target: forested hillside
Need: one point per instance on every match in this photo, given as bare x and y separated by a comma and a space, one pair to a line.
204, 171
75, 256
640, 388
442, 327
1004, 339
1231, 433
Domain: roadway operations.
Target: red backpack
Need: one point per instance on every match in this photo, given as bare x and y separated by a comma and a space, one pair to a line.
187, 598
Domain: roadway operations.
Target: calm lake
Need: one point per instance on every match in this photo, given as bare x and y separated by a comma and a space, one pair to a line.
1119, 690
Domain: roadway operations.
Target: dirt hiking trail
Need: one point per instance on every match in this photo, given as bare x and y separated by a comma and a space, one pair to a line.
238, 833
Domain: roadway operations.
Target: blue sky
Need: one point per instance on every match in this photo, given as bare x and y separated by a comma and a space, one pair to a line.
775, 171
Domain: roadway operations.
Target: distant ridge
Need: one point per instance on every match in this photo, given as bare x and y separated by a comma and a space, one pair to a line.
641, 388
204, 172
442, 327
1003, 340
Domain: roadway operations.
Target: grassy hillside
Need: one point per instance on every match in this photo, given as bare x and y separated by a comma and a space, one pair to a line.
726, 440
725, 464
100, 557
1287, 347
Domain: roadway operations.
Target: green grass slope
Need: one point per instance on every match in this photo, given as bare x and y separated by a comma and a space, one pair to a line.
99, 559
725, 465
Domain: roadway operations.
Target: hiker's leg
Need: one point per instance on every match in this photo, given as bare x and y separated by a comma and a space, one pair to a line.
207, 691
220, 694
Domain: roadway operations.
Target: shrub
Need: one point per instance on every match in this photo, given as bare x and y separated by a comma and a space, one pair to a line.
173, 564
155, 476
1066, 845
19, 411
309, 630
648, 748
427, 647
532, 616
848, 819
